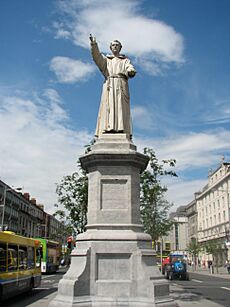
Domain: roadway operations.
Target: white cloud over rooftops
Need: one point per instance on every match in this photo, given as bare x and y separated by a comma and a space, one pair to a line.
68, 70
191, 150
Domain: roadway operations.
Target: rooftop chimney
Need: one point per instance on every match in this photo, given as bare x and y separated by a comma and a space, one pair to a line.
27, 196
33, 201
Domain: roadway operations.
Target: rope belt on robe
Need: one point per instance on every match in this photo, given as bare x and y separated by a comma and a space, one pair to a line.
114, 76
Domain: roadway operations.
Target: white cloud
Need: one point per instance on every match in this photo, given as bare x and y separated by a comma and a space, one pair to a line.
192, 150
60, 31
142, 118
52, 95
148, 39
181, 193
37, 149
68, 70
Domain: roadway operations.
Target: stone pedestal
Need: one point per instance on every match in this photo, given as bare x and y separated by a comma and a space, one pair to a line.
113, 262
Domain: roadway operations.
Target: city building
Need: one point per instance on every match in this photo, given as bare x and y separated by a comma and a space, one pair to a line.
21, 214
191, 211
177, 238
213, 213
178, 235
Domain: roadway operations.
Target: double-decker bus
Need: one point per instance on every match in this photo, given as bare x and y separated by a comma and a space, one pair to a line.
50, 256
20, 266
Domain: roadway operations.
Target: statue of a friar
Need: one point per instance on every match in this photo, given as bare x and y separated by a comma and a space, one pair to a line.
114, 112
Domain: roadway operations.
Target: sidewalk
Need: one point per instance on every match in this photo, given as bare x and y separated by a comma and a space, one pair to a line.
222, 271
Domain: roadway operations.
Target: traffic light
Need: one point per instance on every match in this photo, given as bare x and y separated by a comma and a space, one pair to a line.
69, 242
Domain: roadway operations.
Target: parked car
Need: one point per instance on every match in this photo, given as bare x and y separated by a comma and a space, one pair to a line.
176, 268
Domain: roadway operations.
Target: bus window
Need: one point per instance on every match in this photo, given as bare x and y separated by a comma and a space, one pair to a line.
2, 257
38, 257
12, 257
30, 257
22, 258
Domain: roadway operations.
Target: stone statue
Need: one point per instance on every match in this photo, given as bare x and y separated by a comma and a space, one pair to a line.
114, 112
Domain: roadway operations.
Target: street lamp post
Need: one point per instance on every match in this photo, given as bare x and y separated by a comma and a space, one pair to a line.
4, 204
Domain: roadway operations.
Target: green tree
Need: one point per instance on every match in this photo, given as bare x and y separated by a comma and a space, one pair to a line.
213, 247
67, 229
194, 248
154, 207
73, 198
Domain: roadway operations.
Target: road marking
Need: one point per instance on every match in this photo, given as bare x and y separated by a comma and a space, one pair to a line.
196, 280
225, 288
47, 276
42, 288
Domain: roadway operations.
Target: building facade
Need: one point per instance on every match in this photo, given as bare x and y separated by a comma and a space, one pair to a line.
21, 214
213, 213
178, 235
177, 238
191, 212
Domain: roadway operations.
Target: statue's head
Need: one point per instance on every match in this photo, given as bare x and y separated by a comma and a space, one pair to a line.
115, 47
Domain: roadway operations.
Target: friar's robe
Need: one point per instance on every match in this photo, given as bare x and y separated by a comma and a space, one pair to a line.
114, 112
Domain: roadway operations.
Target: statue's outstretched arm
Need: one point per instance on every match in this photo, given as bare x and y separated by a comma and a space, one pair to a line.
98, 57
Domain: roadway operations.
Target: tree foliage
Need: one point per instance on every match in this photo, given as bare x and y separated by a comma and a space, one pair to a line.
73, 197
67, 229
154, 207
194, 248
213, 247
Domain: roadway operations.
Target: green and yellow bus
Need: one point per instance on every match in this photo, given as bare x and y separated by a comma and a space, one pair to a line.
20, 265
50, 257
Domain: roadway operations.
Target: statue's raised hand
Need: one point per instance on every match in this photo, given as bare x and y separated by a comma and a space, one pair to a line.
92, 39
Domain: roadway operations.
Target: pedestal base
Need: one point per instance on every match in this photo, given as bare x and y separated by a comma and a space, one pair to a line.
114, 272
113, 264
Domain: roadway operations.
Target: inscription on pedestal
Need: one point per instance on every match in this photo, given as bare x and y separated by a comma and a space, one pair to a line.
113, 267
114, 194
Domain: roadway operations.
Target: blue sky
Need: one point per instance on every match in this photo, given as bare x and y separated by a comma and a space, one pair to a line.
50, 88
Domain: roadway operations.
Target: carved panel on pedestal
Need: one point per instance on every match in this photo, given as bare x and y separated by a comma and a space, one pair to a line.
114, 194
113, 267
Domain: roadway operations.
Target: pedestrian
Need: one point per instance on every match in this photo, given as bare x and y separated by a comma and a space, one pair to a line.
228, 266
